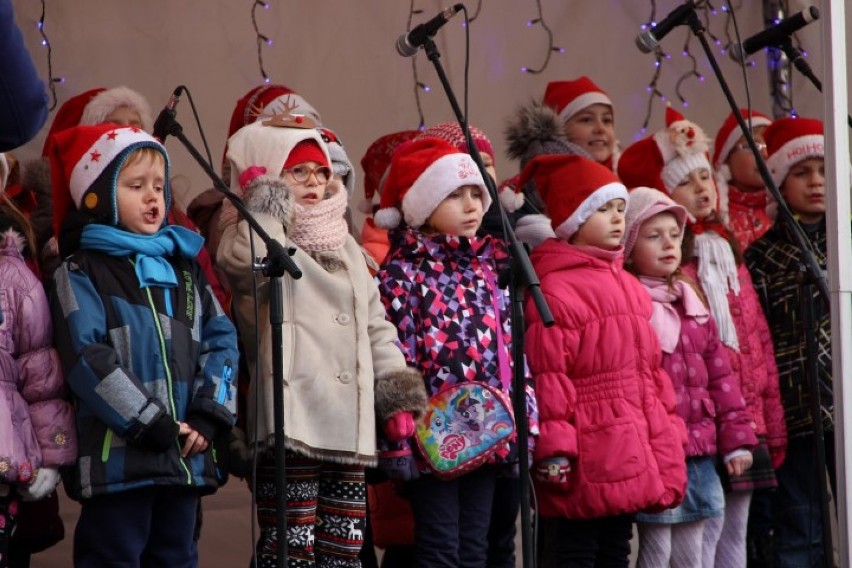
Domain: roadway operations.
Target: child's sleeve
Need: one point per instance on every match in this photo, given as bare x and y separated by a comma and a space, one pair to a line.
550, 357
733, 424
399, 385
42, 385
112, 393
213, 405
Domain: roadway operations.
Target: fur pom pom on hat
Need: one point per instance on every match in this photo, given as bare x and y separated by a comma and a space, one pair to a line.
573, 188
85, 164
534, 130
663, 159
645, 202
105, 102
568, 98
376, 160
791, 140
422, 173
269, 147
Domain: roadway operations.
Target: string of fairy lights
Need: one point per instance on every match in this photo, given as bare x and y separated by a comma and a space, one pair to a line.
261, 38
552, 48
51, 80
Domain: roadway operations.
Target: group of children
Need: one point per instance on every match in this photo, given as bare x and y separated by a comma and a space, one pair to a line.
666, 394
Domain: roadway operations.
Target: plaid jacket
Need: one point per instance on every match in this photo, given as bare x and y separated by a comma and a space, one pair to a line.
133, 354
774, 263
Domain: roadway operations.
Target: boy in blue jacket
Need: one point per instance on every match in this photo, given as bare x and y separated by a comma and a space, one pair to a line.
147, 351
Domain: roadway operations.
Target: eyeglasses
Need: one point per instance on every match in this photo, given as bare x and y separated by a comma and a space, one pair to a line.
302, 173
761, 146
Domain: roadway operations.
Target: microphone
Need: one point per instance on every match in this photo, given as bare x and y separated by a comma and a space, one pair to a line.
167, 115
648, 40
771, 37
408, 43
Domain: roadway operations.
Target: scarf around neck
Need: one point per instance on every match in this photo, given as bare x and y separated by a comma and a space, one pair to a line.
717, 274
321, 227
148, 251
664, 318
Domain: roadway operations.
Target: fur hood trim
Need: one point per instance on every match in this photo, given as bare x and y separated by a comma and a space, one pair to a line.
401, 390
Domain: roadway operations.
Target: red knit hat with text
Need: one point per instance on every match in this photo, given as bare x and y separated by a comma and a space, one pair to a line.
422, 173
376, 160
568, 98
85, 162
511, 198
663, 159
791, 140
572, 188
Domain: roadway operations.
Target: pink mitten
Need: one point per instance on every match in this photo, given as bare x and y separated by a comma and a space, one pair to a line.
400, 426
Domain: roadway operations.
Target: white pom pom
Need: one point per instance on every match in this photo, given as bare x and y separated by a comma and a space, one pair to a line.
387, 218
510, 199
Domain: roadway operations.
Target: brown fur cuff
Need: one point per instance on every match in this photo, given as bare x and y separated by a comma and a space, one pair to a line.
400, 390
271, 196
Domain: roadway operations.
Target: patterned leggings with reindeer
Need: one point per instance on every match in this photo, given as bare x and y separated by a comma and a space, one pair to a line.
326, 512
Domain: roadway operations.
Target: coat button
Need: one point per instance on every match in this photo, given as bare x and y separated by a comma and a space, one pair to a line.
343, 319
345, 377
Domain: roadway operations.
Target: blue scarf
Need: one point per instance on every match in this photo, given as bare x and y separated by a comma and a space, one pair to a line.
148, 251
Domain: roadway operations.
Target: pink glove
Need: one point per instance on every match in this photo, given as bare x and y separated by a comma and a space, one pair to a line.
400, 426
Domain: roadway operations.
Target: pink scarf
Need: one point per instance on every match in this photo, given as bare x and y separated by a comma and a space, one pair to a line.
664, 317
321, 227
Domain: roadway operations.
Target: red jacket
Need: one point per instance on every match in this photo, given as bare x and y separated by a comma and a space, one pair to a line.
604, 401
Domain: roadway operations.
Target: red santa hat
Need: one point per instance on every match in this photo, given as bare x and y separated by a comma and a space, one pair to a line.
727, 137
85, 163
572, 188
107, 101
422, 173
376, 160
265, 99
69, 115
791, 140
510, 197
663, 159
568, 98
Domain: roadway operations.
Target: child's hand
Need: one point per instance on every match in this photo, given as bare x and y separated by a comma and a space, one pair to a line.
194, 442
44, 483
552, 470
738, 465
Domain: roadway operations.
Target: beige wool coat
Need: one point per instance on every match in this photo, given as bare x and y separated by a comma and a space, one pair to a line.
343, 371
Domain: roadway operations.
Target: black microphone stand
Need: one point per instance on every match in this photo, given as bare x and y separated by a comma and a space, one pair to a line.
797, 58
278, 263
523, 278
813, 274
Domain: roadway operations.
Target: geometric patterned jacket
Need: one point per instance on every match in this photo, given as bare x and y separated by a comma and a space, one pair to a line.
774, 263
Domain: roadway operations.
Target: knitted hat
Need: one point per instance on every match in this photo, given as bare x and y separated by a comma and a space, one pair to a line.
568, 98
790, 141
306, 151
68, 115
510, 197
105, 102
267, 148
663, 159
646, 202
85, 164
377, 158
422, 173
340, 162
573, 188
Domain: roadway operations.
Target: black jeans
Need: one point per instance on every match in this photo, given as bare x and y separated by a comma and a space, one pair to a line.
585, 543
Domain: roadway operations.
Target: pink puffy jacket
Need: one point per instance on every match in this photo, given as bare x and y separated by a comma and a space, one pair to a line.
604, 401
754, 364
36, 422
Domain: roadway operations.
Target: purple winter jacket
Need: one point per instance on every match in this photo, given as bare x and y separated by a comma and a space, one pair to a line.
708, 394
36, 421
